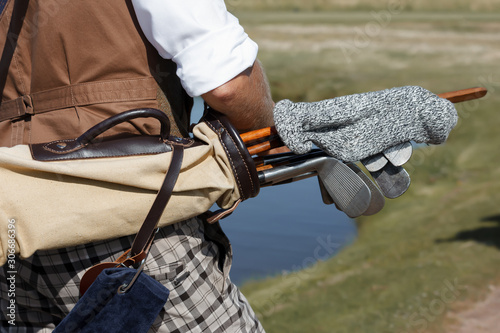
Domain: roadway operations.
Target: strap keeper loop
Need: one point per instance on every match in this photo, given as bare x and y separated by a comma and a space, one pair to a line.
27, 105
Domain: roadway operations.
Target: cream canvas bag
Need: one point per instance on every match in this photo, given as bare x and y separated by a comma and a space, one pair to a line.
71, 192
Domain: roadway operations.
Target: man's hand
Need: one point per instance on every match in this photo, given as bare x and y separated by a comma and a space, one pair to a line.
246, 99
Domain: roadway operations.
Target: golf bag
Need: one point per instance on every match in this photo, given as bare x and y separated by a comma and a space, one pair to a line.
70, 192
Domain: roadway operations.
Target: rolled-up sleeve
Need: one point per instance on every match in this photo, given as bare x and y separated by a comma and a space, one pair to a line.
206, 42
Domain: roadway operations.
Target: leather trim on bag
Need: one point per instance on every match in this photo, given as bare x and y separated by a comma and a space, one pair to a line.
63, 150
242, 164
222, 213
88, 145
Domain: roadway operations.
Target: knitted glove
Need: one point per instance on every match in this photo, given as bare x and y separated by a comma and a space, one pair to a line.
354, 127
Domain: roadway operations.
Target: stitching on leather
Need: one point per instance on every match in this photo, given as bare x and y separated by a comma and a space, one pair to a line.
239, 153
60, 153
62, 158
46, 147
216, 217
186, 145
235, 172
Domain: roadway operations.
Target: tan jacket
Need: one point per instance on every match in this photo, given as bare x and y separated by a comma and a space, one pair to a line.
69, 64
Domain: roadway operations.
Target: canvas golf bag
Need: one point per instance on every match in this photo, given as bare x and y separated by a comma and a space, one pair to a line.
70, 192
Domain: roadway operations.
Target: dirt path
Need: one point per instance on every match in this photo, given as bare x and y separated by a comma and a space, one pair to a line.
482, 317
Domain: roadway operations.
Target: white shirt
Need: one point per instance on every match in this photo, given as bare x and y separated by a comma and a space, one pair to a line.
206, 42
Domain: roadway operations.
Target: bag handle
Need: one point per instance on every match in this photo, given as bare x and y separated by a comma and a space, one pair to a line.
103, 126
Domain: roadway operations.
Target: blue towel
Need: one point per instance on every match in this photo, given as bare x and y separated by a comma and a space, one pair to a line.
2, 5
102, 309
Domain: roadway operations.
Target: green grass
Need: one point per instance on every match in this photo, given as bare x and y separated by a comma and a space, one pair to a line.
249, 17
357, 5
445, 229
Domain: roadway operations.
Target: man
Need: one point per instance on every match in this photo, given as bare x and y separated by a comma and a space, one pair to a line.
67, 65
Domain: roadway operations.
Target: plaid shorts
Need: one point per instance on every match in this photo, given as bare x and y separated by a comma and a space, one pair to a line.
191, 258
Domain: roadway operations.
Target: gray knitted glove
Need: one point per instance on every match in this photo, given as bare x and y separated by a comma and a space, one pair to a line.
354, 127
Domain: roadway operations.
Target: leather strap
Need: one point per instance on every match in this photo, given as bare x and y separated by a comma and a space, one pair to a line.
83, 147
145, 236
242, 164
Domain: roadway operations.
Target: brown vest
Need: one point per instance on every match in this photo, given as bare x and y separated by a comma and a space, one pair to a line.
68, 64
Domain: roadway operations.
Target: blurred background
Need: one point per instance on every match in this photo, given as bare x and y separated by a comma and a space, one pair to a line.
430, 261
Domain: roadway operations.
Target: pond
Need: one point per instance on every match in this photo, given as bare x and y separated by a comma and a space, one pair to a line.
285, 228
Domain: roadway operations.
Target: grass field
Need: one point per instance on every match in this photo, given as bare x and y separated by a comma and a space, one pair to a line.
350, 5
436, 250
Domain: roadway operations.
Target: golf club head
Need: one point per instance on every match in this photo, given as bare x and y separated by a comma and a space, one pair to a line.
377, 201
399, 154
392, 180
374, 163
327, 199
349, 192
344, 187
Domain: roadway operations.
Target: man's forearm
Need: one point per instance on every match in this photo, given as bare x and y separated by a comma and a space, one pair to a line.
246, 99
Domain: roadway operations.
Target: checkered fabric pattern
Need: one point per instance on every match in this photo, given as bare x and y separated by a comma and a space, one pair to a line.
191, 258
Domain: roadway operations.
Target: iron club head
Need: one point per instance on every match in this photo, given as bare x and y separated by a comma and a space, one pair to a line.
377, 201
325, 196
375, 162
347, 190
392, 180
399, 154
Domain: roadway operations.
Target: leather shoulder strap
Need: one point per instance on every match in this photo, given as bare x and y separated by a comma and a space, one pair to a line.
145, 236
